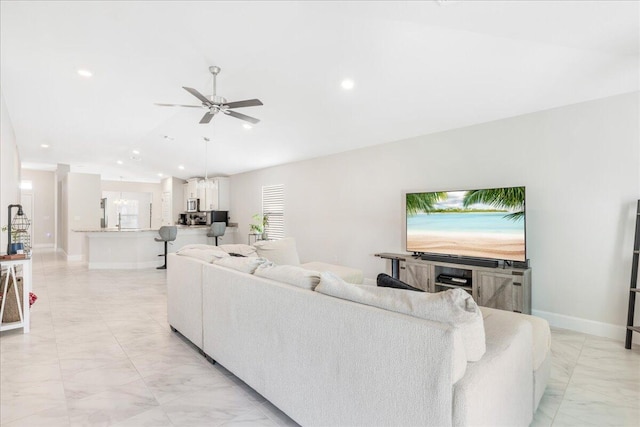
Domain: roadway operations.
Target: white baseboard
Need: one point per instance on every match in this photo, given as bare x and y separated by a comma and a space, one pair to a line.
586, 326
71, 257
43, 245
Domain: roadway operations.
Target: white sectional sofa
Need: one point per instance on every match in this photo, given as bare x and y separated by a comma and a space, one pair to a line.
330, 361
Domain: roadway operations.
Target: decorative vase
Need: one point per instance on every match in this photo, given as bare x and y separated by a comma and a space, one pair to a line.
15, 247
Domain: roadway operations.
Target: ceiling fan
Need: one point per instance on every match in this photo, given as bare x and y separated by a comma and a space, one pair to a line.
216, 104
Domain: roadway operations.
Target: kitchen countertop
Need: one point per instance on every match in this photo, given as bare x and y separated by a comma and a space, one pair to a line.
135, 230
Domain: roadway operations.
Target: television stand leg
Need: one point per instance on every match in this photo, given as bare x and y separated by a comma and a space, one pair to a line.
395, 268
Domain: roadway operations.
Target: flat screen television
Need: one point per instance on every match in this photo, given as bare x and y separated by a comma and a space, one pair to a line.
487, 223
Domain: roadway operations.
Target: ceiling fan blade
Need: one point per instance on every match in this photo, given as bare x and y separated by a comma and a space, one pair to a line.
246, 103
242, 116
178, 105
206, 118
198, 95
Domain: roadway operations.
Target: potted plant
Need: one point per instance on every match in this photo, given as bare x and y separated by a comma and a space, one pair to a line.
256, 227
15, 245
265, 224
260, 225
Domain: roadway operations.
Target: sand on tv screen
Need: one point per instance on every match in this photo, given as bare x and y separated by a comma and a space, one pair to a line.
488, 223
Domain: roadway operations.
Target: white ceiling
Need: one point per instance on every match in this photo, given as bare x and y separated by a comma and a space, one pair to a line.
418, 67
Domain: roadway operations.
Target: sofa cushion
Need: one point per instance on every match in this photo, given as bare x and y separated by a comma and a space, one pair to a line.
243, 264
385, 281
348, 274
240, 249
281, 252
290, 274
541, 345
454, 307
205, 253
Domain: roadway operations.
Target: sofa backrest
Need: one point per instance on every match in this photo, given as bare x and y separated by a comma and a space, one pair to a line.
318, 358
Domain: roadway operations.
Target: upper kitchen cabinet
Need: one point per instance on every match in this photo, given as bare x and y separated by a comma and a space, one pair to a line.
215, 194
191, 189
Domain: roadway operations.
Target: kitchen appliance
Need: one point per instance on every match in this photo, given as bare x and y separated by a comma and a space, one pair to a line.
103, 212
218, 216
199, 218
193, 205
183, 219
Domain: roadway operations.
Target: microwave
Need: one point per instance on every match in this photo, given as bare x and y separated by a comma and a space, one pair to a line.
193, 205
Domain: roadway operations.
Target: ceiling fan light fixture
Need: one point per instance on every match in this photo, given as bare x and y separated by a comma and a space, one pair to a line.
216, 104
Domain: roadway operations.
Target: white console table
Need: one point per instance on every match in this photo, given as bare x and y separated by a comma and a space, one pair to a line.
11, 268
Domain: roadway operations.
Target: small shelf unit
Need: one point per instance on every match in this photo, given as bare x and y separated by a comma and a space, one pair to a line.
15, 269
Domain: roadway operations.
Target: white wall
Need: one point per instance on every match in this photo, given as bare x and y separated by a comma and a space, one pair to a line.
9, 170
62, 171
43, 226
579, 163
82, 197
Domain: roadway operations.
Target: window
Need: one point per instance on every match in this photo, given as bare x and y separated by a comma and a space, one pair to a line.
273, 208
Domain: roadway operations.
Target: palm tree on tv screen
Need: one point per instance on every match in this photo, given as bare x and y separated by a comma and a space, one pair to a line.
511, 199
423, 202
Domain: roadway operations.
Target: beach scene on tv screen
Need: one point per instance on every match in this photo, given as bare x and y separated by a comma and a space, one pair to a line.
487, 223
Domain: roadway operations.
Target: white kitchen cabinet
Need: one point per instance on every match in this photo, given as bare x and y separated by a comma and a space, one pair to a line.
215, 195
192, 188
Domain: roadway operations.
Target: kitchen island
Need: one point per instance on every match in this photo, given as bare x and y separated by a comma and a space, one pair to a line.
111, 248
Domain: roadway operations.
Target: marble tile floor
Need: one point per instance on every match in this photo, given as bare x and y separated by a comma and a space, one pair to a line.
100, 353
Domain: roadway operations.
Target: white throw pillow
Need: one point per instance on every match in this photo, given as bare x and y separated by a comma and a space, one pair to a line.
454, 307
243, 264
290, 274
281, 252
203, 252
240, 249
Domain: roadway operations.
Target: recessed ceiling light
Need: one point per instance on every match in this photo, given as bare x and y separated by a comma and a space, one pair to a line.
347, 84
181, 167
85, 73
160, 174
247, 126
136, 152
120, 162
44, 145
170, 138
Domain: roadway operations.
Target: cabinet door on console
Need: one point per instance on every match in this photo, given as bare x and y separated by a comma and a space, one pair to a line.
419, 276
402, 272
500, 291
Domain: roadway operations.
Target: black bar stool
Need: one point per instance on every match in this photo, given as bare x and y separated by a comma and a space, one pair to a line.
168, 234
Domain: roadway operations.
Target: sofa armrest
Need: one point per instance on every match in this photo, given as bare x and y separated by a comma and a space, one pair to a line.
184, 296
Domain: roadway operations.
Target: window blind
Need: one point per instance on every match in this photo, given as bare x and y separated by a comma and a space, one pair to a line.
273, 207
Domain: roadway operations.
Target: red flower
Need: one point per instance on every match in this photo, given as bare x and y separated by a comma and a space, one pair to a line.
32, 298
